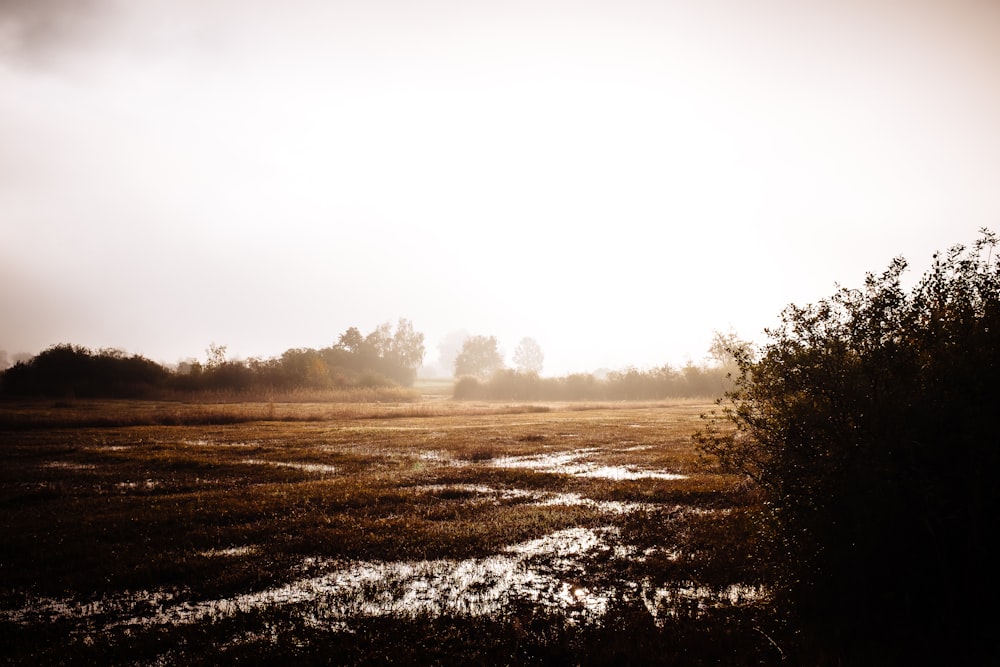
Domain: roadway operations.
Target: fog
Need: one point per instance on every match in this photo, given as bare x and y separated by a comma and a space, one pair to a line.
616, 180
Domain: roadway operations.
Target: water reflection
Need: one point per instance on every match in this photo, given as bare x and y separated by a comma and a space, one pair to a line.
574, 463
307, 467
553, 571
484, 493
549, 572
542, 571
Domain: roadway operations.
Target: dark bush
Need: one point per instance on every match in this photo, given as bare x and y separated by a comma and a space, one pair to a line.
869, 421
69, 370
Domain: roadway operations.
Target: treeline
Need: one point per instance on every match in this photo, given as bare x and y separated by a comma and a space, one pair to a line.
627, 385
382, 358
69, 370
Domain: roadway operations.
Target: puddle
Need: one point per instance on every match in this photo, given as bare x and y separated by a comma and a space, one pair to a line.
573, 463
607, 506
202, 442
231, 551
307, 467
125, 605
549, 572
146, 485
663, 603
544, 571
483, 493
67, 465
628, 473
439, 457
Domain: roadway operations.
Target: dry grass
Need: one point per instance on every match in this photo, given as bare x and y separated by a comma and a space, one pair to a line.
18, 414
205, 509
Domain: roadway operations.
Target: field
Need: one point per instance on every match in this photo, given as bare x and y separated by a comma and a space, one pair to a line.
427, 532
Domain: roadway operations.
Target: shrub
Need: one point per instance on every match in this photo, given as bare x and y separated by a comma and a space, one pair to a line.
868, 421
466, 388
70, 370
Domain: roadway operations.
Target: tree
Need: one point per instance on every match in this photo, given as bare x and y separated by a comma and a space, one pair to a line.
215, 355
479, 357
449, 348
528, 356
868, 423
72, 370
407, 351
379, 341
351, 340
395, 355
725, 350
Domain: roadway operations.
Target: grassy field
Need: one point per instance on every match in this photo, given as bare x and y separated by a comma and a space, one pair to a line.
424, 532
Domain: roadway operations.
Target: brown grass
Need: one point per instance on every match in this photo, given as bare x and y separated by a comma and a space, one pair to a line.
100, 498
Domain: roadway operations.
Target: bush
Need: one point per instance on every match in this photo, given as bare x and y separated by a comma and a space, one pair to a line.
466, 388
868, 421
70, 370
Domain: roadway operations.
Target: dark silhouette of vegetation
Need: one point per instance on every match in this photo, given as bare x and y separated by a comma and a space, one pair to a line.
382, 358
70, 370
868, 422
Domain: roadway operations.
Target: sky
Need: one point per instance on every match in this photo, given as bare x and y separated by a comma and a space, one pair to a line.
617, 180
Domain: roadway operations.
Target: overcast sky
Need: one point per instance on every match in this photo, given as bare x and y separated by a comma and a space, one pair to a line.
615, 179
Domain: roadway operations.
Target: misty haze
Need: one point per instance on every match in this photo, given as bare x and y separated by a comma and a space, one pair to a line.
498, 333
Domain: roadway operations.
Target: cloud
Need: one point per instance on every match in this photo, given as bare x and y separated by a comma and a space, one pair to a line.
39, 32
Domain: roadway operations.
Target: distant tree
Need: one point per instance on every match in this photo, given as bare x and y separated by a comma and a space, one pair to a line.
479, 357
394, 355
528, 356
379, 341
407, 350
449, 348
188, 366
351, 340
215, 355
304, 367
4, 364
726, 348
869, 424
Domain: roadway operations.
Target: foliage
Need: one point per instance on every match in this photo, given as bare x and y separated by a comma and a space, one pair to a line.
479, 357
406, 351
630, 384
70, 370
382, 358
528, 356
466, 387
868, 421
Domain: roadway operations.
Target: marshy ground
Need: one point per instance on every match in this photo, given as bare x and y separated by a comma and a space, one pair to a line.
431, 532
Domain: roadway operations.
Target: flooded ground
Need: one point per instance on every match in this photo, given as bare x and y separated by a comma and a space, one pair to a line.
329, 526
576, 462
550, 571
